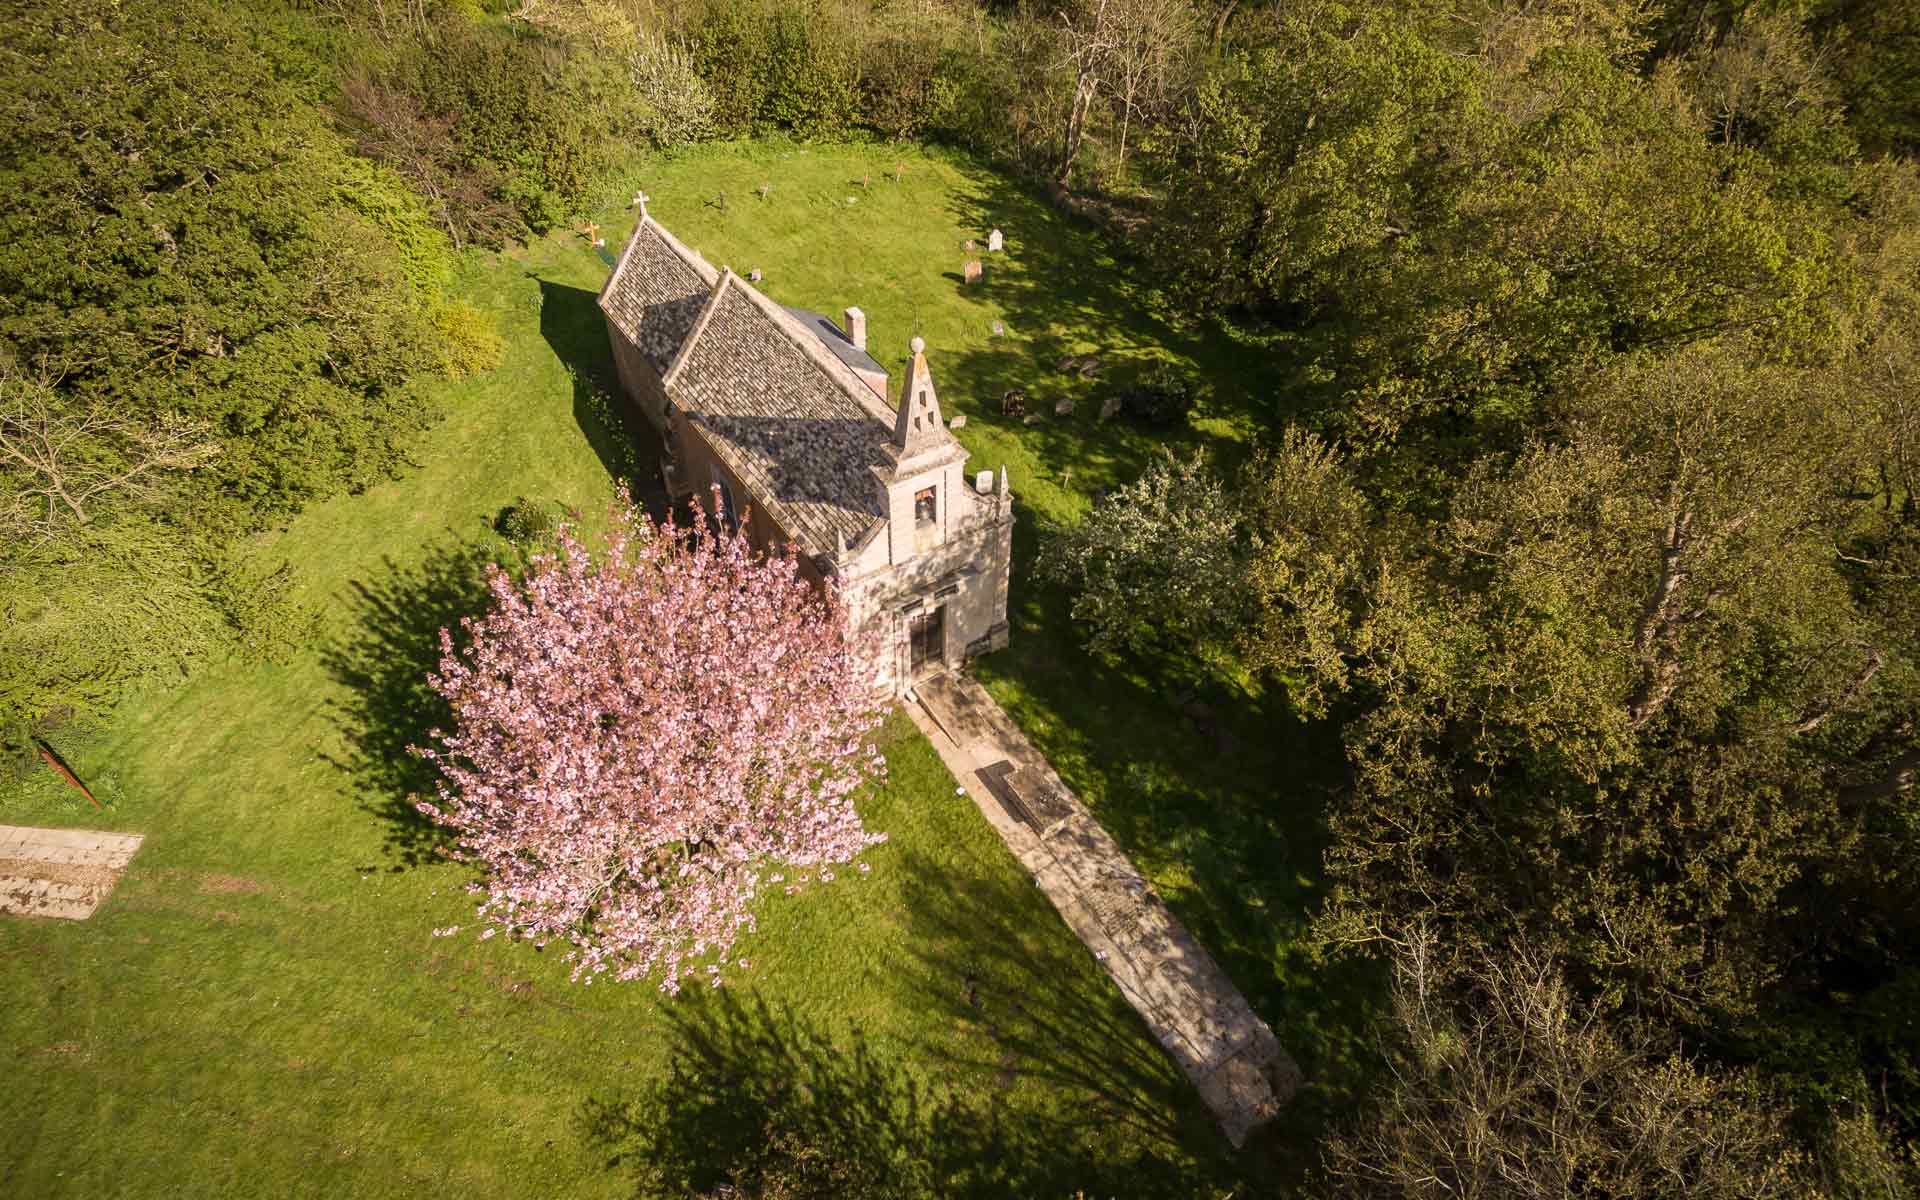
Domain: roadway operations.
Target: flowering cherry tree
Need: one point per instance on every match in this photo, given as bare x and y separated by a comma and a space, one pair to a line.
640, 733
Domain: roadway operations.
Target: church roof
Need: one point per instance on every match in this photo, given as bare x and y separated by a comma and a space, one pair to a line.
656, 292
833, 338
801, 431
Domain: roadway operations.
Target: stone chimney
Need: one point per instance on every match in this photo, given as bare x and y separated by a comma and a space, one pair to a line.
857, 328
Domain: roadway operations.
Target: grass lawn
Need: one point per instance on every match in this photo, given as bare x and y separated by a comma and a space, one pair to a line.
260, 1008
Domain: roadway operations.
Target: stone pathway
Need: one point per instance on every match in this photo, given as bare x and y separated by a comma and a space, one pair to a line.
60, 872
1188, 1002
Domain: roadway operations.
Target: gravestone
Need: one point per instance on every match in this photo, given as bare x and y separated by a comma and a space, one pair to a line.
972, 271
959, 422
1014, 403
1110, 408
754, 275
967, 245
1063, 409
999, 330
996, 241
764, 189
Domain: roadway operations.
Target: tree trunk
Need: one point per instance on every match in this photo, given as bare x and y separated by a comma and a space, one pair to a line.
1083, 90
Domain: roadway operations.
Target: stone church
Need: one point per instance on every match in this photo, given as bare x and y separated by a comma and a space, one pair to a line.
792, 421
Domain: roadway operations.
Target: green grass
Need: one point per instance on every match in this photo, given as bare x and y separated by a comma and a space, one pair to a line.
260, 1009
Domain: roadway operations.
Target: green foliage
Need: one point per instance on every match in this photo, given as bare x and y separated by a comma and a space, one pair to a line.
781, 64
1164, 396
1159, 558
523, 110
176, 246
811, 86
1500, 1084
107, 606
730, 52
527, 522
471, 343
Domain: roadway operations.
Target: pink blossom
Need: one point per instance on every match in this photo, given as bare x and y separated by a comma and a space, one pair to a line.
639, 733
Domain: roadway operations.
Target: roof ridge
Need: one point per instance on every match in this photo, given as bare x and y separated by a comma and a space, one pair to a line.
823, 359
672, 374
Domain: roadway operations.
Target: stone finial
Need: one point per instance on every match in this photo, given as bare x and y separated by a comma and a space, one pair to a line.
918, 424
1003, 479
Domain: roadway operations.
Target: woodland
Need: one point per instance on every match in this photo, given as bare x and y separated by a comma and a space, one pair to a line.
1581, 522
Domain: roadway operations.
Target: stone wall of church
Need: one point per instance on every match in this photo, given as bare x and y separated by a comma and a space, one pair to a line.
966, 576
639, 378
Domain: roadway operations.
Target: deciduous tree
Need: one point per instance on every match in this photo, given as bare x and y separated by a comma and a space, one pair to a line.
646, 738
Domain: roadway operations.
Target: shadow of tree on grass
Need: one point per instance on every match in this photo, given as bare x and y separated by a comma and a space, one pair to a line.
759, 1102
393, 643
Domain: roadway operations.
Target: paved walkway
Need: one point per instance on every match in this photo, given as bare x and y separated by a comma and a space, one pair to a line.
1188, 1002
60, 872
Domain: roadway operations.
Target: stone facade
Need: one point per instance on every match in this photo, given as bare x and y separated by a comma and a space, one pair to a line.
790, 417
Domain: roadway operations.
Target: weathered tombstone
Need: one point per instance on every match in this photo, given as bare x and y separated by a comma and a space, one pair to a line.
972, 271
1110, 407
754, 275
898, 171
967, 245
996, 241
983, 482
764, 189
959, 422
1063, 409
1014, 403
999, 330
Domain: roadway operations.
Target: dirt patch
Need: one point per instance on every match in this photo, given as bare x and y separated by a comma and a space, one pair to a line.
82, 876
221, 885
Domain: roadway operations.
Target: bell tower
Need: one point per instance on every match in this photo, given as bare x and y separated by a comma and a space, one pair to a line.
923, 479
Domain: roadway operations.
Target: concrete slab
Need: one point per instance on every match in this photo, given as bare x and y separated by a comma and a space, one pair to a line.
60, 873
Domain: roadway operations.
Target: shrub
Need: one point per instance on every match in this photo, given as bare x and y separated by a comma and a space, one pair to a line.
527, 521
1164, 396
470, 344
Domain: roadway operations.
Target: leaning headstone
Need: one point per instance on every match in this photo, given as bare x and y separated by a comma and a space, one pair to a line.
754, 275
996, 241
1110, 407
999, 330
959, 422
1063, 409
972, 271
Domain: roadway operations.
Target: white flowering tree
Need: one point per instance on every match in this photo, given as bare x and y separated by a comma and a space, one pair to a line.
642, 735
1164, 556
